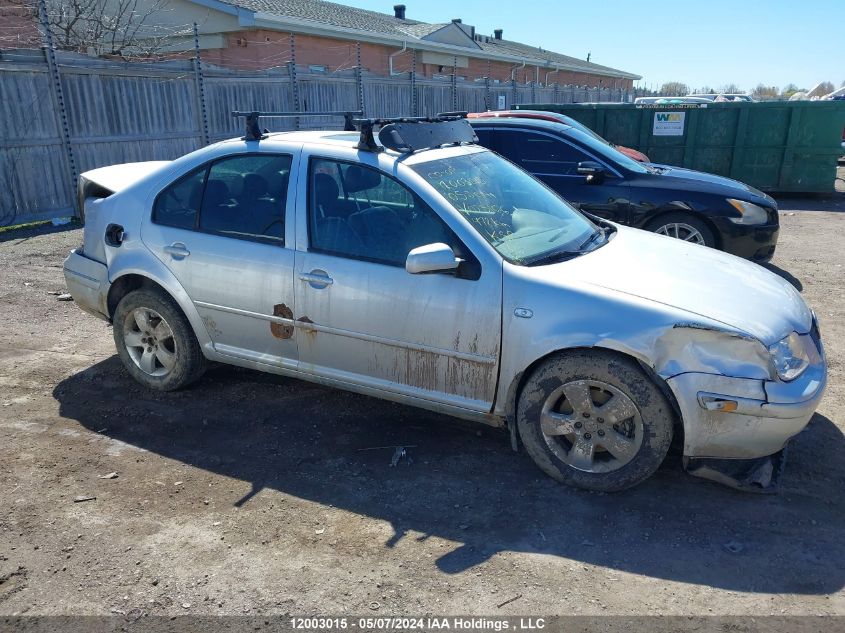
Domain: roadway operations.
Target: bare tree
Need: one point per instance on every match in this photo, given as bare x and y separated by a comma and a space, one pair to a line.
730, 89
765, 93
674, 89
125, 28
826, 86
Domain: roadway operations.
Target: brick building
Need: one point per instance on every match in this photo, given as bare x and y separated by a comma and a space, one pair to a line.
256, 34
253, 34
18, 26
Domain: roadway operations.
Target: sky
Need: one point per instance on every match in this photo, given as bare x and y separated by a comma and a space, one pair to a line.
698, 42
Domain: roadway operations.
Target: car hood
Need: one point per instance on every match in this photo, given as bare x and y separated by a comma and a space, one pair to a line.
698, 280
688, 179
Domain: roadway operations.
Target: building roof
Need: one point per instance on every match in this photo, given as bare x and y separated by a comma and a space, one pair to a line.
326, 13
353, 21
571, 63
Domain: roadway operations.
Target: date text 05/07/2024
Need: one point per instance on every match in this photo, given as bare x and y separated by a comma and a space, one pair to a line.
428, 623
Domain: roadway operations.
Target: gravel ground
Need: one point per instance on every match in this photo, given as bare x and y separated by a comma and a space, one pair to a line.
255, 494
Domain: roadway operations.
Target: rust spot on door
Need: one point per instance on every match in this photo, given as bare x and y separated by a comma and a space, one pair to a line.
280, 330
311, 334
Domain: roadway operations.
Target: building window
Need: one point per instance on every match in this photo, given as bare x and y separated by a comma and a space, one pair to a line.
318, 68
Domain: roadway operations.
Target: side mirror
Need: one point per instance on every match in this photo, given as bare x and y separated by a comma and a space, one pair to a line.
592, 170
431, 258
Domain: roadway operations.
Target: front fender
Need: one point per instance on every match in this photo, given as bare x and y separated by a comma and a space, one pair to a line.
565, 319
668, 340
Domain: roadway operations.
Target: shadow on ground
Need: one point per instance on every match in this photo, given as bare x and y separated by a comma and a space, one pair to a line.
788, 202
464, 484
785, 274
27, 232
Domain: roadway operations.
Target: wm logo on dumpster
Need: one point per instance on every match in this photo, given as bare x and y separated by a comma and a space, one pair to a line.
668, 116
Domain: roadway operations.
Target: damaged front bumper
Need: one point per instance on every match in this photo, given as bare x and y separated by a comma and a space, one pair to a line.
761, 475
744, 419
739, 418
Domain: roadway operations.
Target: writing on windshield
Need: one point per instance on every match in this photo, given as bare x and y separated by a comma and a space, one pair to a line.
512, 210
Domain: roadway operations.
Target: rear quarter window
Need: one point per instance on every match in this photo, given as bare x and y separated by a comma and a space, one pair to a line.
178, 205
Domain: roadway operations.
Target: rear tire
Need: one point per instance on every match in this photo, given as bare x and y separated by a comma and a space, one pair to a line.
685, 227
155, 341
593, 419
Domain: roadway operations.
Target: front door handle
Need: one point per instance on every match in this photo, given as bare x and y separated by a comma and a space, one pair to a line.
317, 278
177, 250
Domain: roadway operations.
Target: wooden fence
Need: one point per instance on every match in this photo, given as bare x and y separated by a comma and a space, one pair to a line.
63, 114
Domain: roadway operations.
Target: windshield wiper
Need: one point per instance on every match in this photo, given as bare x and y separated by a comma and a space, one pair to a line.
596, 233
554, 256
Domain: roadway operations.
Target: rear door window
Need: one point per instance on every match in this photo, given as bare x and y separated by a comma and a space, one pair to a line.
540, 154
485, 137
245, 197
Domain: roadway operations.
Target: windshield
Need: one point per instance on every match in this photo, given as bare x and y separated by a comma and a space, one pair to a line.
602, 148
523, 219
580, 126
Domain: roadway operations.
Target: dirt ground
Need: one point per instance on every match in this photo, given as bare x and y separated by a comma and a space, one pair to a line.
255, 494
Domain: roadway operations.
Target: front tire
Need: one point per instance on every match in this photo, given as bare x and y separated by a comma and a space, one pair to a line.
155, 341
685, 227
592, 419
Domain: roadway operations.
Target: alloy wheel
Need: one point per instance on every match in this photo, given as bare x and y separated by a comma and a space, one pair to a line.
591, 426
149, 341
682, 231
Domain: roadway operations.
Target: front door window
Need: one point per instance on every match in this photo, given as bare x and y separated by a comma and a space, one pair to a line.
360, 213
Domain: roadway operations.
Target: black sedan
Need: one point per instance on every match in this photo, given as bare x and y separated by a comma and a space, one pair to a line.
689, 205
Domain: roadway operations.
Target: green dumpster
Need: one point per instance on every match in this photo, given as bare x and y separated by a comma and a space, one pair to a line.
774, 146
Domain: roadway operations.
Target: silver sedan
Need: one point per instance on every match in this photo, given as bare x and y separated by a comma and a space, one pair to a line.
452, 280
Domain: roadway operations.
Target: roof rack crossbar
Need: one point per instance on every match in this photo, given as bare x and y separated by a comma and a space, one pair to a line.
401, 134
438, 118
253, 131
398, 135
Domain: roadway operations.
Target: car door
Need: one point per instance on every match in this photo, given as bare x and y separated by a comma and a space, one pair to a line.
555, 161
361, 318
222, 231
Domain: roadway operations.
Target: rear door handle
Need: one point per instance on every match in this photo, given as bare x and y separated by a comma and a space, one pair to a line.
177, 250
317, 278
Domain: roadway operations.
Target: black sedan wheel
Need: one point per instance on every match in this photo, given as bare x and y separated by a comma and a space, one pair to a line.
684, 227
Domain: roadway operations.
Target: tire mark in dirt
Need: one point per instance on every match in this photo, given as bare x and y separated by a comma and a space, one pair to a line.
12, 583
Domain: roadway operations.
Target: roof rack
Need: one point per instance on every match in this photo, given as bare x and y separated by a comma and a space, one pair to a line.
401, 134
252, 131
457, 114
412, 134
